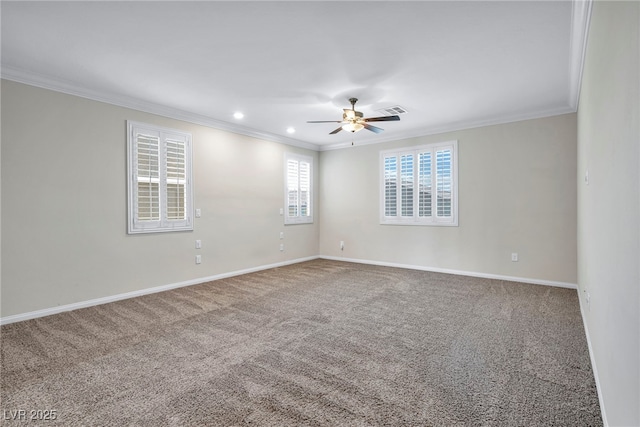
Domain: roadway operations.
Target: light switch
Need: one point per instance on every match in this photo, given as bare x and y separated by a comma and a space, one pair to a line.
198, 244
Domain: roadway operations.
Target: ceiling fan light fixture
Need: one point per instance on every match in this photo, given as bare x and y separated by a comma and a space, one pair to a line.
353, 127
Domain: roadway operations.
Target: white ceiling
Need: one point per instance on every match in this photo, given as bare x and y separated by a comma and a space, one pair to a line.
450, 64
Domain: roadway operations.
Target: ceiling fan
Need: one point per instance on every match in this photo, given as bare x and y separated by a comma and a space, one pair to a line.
352, 120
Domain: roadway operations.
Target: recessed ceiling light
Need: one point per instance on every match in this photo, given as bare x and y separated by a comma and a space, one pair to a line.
238, 115
291, 130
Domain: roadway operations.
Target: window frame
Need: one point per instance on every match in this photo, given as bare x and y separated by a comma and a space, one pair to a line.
163, 223
415, 218
298, 219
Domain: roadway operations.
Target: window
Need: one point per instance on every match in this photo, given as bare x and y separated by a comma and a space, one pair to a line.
419, 185
159, 178
298, 189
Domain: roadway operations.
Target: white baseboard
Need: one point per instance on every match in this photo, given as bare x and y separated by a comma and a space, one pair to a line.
458, 272
104, 300
593, 362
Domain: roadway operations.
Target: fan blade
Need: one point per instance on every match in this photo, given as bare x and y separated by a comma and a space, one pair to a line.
336, 131
372, 128
325, 121
383, 119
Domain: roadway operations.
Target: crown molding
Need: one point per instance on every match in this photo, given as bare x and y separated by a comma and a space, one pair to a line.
453, 127
580, 18
69, 88
59, 85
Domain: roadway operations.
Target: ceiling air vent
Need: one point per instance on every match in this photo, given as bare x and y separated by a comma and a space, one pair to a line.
393, 111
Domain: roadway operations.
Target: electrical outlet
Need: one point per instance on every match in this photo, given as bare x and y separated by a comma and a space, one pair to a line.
198, 213
514, 257
342, 245
588, 300
281, 235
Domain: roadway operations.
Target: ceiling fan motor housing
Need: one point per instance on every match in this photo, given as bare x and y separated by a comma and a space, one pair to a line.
350, 115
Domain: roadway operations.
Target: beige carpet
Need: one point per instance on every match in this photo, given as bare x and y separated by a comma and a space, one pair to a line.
321, 343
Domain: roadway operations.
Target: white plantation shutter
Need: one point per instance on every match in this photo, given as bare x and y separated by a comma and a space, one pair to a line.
406, 185
425, 183
390, 186
176, 179
147, 202
418, 185
160, 192
444, 183
298, 189
293, 187
305, 189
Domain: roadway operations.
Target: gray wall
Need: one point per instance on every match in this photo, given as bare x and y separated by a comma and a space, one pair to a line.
517, 193
64, 210
64, 207
609, 206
